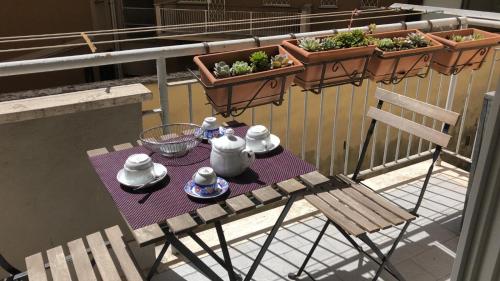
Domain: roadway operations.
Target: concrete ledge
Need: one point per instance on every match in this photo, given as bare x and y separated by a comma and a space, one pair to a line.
41, 107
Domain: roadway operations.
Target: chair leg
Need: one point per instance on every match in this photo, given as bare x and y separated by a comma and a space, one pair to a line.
294, 276
385, 258
435, 156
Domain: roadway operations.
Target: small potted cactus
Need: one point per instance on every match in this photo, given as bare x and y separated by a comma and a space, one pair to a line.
399, 54
351, 49
464, 48
254, 77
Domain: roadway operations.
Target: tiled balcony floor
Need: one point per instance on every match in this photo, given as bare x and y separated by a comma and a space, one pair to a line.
426, 252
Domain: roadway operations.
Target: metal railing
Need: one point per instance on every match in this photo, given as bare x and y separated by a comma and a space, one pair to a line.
325, 129
247, 20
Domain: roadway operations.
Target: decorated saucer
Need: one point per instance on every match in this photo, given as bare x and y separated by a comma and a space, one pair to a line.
192, 189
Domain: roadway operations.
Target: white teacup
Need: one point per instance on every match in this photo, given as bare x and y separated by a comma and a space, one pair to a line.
139, 169
258, 138
210, 123
206, 179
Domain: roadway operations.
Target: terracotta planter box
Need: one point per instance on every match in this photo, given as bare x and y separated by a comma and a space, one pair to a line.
382, 64
460, 55
353, 62
217, 90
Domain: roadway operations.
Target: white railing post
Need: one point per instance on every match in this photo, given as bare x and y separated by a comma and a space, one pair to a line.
206, 20
251, 23
159, 18
161, 73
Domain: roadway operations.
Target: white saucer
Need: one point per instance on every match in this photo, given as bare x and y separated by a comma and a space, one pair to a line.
275, 142
159, 170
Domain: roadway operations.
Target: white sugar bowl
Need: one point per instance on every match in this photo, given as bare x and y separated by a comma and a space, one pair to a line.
229, 156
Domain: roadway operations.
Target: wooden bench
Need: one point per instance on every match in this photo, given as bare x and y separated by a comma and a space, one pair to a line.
112, 259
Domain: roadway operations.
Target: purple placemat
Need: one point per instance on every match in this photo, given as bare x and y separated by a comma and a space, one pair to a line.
168, 199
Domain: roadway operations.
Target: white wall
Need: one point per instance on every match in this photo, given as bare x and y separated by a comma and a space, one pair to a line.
444, 3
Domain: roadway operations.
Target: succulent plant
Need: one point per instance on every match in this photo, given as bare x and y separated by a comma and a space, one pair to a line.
418, 40
279, 61
411, 41
260, 61
240, 68
372, 27
385, 44
222, 70
310, 44
460, 38
328, 43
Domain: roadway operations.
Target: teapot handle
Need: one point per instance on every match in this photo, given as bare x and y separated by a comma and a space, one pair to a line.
248, 156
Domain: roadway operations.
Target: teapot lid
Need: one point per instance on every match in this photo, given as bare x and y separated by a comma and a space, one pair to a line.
229, 142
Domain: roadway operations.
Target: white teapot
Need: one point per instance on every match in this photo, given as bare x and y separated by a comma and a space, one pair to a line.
229, 156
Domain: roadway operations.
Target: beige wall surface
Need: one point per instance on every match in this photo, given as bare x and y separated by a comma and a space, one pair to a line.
49, 193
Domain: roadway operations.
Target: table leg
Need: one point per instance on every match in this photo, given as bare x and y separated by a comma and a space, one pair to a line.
225, 253
152, 271
270, 238
172, 240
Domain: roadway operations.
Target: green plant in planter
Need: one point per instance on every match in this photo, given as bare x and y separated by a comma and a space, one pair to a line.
260, 61
349, 39
310, 44
460, 38
279, 61
241, 68
411, 41
385, 44
222, 70
418, 40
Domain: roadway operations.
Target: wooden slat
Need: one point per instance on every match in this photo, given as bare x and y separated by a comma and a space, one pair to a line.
81, 261
211, 213
181, 223
58, 265
349, 213
314, 179
409, 126
429, 110
389, 216
366, 212
148, 234
266, 195
384, 202
102, 258
240, 203
96, 152
122, 146
331, 214
115, 238
290, 186
36, 268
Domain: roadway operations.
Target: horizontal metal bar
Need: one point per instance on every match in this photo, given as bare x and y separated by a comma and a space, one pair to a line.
145, 54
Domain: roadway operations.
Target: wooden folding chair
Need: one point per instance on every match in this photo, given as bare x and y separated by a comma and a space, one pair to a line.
112, 259
356, 210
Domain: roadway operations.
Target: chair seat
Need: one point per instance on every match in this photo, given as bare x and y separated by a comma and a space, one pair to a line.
112, 259
355, 208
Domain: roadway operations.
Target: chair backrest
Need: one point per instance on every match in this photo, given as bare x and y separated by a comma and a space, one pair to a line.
409, 126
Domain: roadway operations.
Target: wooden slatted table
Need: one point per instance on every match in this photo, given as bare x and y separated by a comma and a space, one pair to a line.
263, 196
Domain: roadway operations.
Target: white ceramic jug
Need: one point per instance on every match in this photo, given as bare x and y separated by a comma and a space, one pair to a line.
229, 156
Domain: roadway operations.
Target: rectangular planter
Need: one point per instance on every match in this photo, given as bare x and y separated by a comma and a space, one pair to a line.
269, 84
457, 56
342, 66
402, 64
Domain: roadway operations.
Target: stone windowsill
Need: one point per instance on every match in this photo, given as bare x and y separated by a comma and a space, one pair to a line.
41, 107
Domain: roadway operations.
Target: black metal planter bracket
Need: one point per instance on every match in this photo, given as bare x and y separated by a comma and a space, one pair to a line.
272, 80
396, 77
355, 78
456, 68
